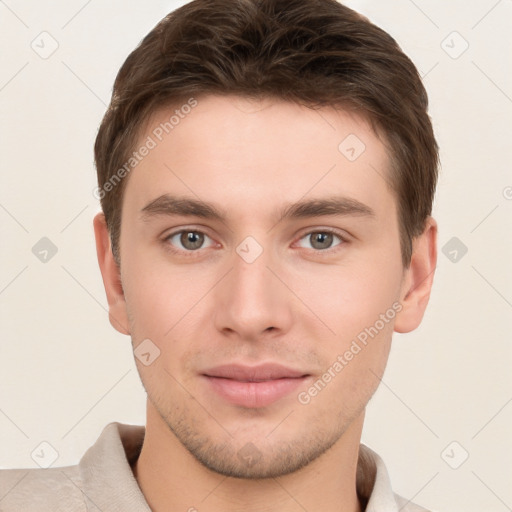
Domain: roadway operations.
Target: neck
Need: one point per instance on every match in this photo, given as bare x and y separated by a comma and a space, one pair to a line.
172, 479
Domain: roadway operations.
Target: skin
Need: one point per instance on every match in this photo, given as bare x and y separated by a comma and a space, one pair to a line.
296, 304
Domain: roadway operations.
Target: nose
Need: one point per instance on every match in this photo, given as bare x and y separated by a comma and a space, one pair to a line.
252, 303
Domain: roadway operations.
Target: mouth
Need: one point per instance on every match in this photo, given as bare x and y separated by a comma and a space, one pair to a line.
253, 386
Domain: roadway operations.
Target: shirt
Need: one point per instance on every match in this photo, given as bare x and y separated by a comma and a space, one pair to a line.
103, 480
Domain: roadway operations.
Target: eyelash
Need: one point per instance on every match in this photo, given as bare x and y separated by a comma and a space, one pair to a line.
321, 252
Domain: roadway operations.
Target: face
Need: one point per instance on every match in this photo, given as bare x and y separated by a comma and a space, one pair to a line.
269, 311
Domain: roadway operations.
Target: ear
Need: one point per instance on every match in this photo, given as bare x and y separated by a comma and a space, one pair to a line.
111, 274
418, 279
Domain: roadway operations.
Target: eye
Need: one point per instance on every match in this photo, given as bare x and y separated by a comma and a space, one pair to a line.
189, 239
321, 240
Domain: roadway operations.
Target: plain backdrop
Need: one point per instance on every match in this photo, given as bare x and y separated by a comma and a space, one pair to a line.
443, 415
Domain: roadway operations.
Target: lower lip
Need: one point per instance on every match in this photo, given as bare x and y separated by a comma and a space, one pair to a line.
254, 394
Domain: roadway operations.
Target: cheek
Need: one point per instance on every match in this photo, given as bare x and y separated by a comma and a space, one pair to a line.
349, 299
161, 298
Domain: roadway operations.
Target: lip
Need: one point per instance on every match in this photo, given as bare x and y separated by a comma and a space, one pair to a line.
253, 386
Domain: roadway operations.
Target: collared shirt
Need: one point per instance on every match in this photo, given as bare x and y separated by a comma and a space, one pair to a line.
103, 480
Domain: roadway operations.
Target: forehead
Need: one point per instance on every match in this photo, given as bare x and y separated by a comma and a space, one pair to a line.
248, 153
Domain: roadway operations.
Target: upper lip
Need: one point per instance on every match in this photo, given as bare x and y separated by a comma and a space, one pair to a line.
258, 373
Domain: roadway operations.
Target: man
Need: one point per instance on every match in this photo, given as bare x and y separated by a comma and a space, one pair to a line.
266, 172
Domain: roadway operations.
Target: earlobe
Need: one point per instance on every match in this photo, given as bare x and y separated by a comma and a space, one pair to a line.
418, 279
110, 273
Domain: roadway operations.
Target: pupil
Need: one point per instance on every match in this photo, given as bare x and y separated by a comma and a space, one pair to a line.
322, 240
192, 240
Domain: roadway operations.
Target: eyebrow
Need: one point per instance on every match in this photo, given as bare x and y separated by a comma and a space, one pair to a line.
168, 205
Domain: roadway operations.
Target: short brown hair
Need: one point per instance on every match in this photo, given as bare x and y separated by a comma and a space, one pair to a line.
315, 53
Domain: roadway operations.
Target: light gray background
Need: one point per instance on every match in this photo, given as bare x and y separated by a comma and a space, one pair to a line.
65, 373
